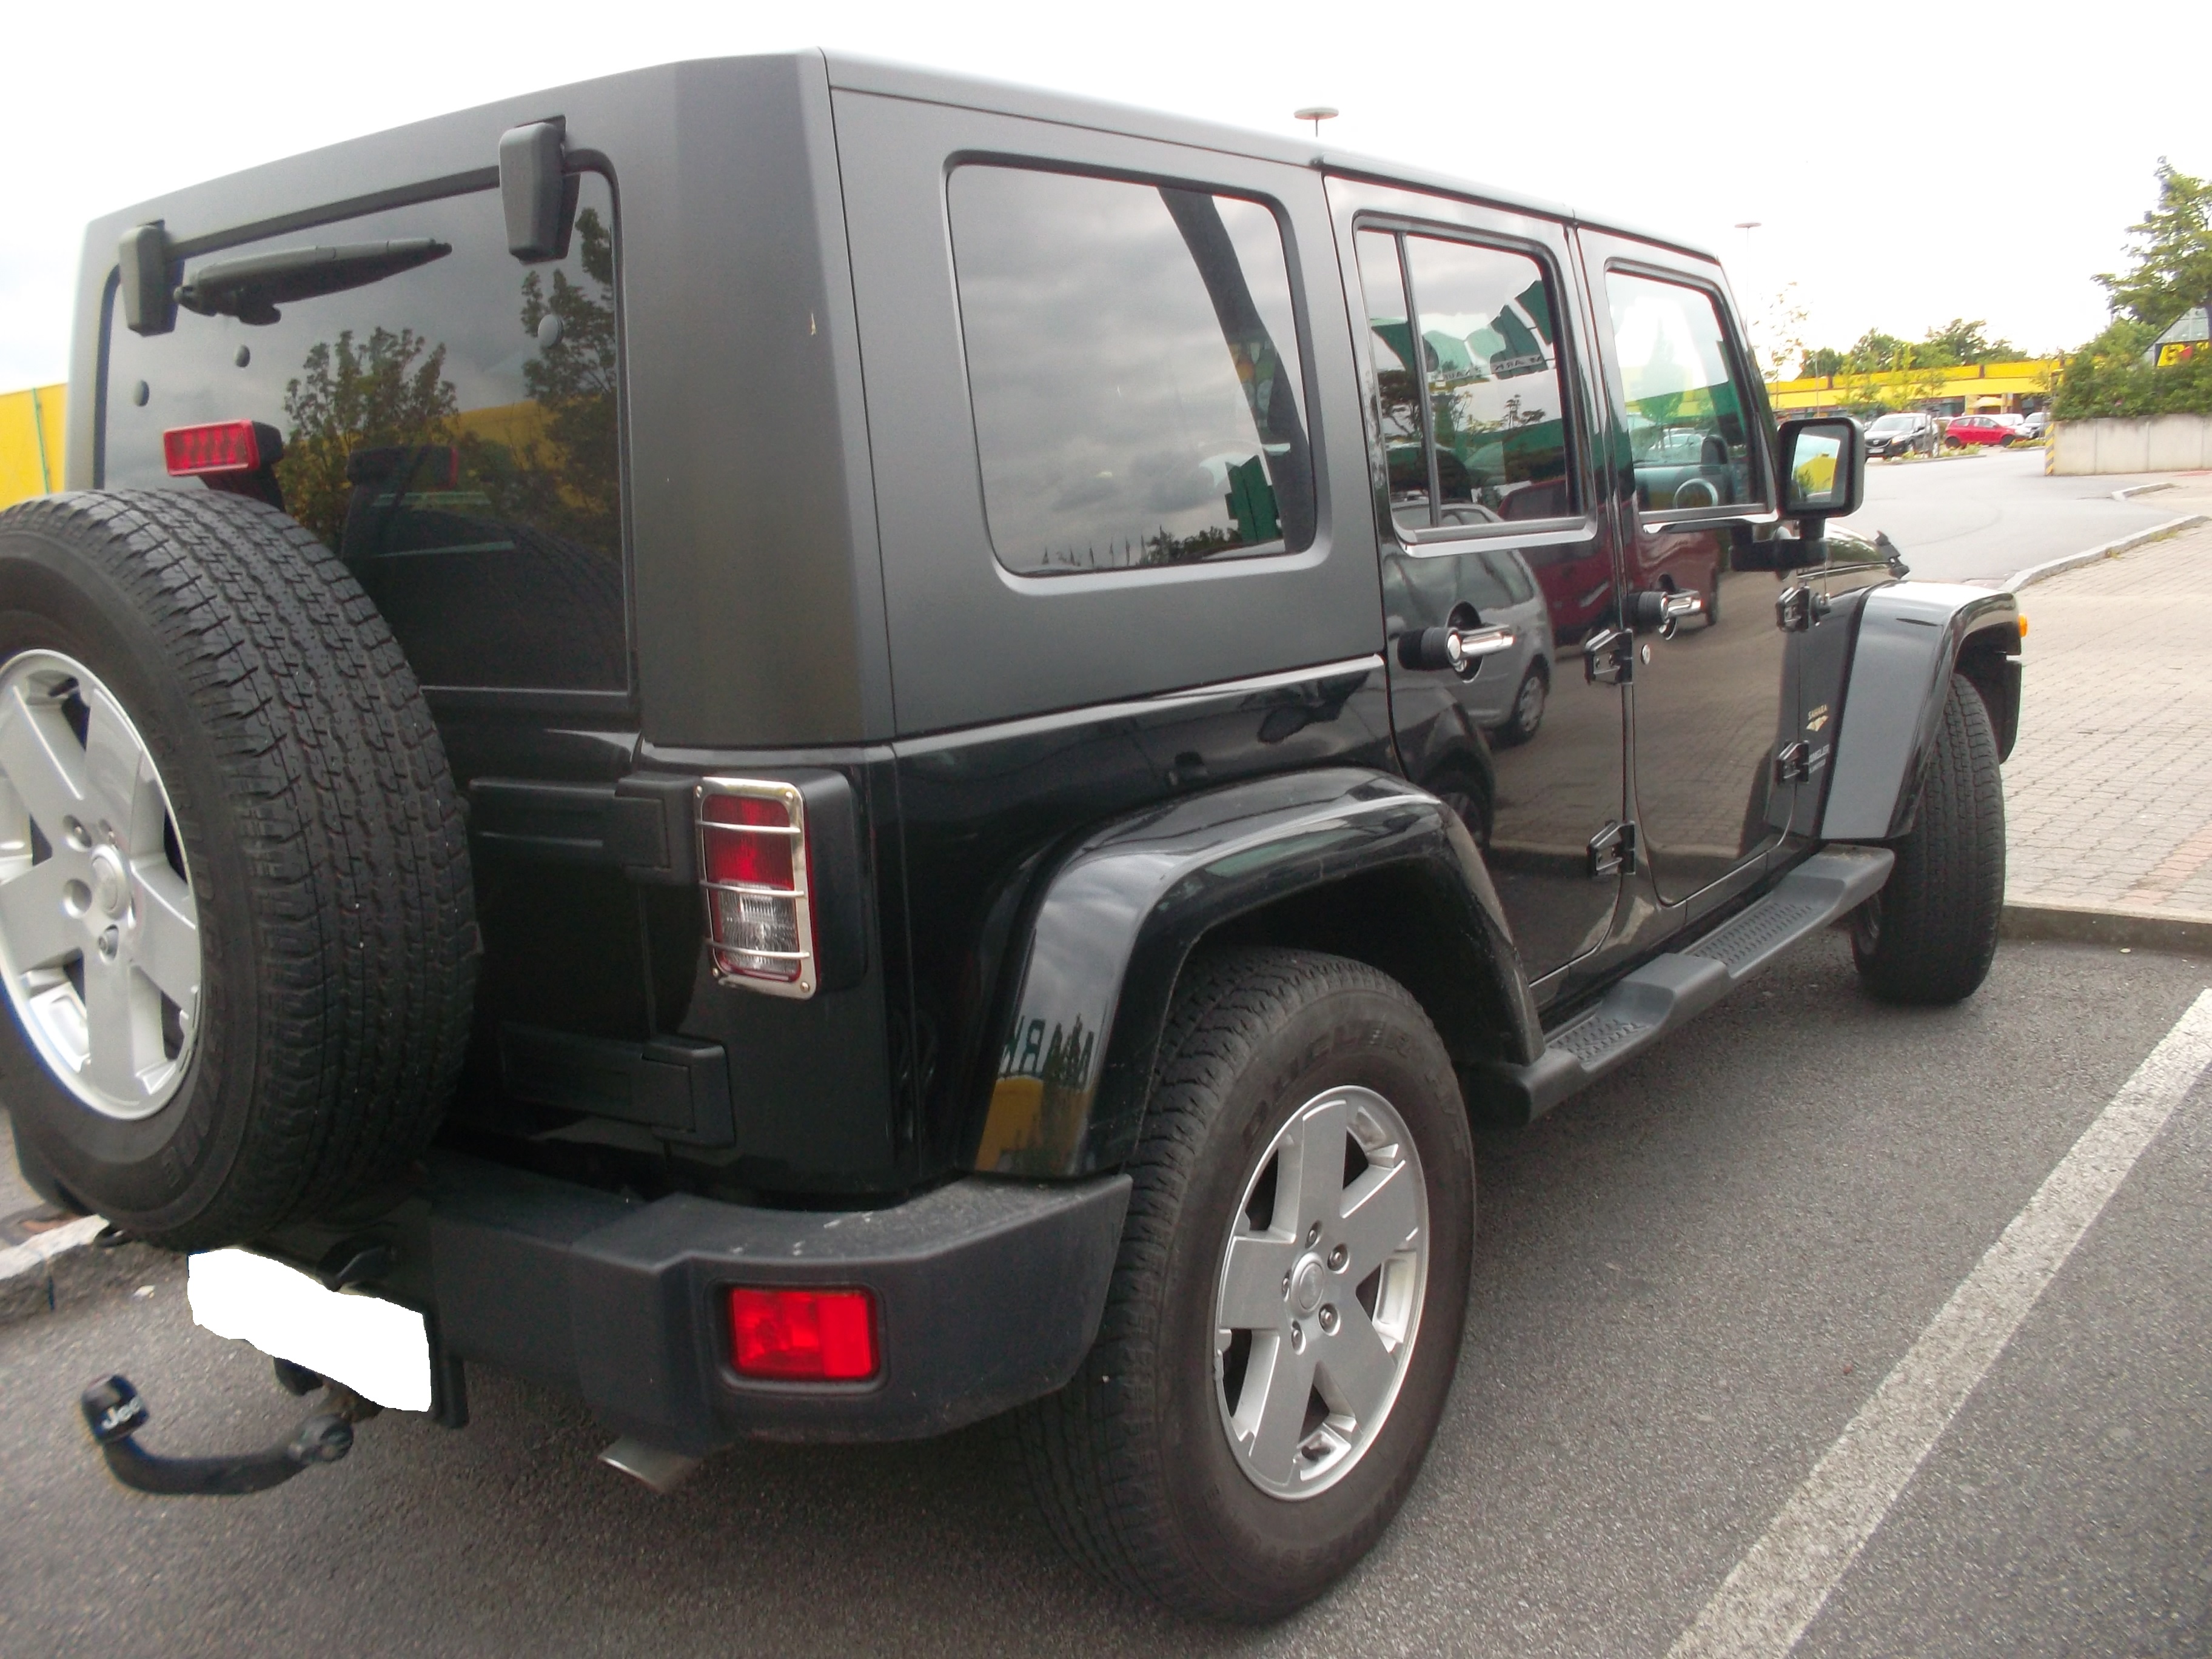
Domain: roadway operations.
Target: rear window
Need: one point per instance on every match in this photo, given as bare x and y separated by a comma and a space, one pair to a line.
1133, 360
451, 430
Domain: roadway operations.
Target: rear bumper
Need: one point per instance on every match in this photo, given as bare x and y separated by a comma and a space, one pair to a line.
988, 1293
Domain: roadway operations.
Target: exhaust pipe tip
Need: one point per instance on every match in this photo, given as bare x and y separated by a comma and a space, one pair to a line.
658, 1468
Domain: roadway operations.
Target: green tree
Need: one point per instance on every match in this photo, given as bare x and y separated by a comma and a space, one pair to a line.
1960, 340
391, 390
2109, 377
2171, 252
572, 482
1874, 353
1820, 360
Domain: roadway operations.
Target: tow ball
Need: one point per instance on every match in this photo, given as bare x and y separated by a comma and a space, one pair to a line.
114, 1412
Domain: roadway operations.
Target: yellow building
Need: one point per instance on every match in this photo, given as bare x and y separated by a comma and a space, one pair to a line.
30, 443
1970, 389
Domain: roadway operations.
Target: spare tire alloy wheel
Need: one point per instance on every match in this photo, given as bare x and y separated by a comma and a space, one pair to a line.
237, 926
1318, 1299
99, 925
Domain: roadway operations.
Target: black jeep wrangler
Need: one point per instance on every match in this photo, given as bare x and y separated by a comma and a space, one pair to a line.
800, 746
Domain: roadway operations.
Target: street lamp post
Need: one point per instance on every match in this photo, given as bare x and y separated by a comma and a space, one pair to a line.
1316, 113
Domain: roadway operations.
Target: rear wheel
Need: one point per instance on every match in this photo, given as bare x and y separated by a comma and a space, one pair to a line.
1286, 1315
236, 931
1931, 932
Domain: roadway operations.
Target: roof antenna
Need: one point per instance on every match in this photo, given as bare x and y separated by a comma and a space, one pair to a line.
1316, 113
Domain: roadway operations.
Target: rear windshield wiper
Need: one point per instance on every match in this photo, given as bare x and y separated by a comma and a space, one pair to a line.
251, 289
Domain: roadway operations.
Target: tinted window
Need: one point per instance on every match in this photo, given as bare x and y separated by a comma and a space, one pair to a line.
1687, 429
1477, 433
1134, 362
450, 430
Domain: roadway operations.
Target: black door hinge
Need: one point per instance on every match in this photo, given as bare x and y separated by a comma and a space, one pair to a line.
1609, 657
1796, 763
1797, 610
1613, 851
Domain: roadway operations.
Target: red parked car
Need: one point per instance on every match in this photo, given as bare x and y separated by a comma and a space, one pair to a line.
1979, 429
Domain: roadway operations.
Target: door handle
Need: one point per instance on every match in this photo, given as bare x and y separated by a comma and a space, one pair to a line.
1656, 608
1460, 649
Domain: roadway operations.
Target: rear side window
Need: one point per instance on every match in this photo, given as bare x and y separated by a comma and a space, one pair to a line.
450, 427
1473, 400
1134, 363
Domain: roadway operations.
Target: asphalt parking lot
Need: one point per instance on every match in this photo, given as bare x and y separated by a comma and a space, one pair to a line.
1688, 1280
1981, 517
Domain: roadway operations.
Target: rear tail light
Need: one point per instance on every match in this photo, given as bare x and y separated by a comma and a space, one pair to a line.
803, 1336
753, 859
198, 451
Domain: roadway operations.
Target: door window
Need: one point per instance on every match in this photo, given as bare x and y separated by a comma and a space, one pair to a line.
1134, 366
1471, 402
1688, 432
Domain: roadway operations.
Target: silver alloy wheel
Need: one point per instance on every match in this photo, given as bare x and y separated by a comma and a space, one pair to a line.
99, 941
1317, 1301
1529, 705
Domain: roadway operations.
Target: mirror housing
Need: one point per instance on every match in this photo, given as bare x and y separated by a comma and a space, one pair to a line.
535, 190
147, 279
1822, 464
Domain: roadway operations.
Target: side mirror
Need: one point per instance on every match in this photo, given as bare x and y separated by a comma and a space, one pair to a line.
149, 280
537, 192
1823, 467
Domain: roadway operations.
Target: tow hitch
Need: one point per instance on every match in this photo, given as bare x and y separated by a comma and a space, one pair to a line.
114, 1412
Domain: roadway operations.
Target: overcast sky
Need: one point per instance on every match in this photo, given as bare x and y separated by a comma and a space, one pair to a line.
1908, 163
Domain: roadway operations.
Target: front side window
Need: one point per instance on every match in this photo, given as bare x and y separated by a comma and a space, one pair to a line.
450, 427
1688, 433
1133, 364
1472, 403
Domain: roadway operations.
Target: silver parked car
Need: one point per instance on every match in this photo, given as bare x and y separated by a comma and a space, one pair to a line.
1506, 694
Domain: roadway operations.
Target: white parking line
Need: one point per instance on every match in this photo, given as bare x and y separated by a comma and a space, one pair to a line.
1778, 1589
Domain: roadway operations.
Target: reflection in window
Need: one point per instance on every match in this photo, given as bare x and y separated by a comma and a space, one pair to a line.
450, 430
1134, 363
1482, 438
1686, 431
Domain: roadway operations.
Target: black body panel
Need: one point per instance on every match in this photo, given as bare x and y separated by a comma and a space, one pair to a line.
984, 812
1355, 859
987, 1293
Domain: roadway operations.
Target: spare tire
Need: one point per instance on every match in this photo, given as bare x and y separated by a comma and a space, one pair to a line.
237, 930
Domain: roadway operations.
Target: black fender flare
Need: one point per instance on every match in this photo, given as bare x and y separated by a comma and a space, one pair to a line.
1911, 638
1111, 924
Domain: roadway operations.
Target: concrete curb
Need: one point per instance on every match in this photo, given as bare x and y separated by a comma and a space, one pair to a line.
2048, 567
2143, 930
62, 1265
2133, 490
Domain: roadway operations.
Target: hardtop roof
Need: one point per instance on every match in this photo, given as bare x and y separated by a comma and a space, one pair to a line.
857, 73
852, 71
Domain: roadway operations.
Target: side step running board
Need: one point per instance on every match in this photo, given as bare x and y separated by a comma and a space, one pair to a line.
1669, 989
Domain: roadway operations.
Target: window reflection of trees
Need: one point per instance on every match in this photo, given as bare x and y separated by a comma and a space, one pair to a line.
556, 468
1488, 374
490, 538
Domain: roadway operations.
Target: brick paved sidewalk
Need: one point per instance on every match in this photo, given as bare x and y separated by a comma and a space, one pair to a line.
2108, 794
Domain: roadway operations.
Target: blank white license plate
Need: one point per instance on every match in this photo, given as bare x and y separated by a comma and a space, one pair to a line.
378, 1349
